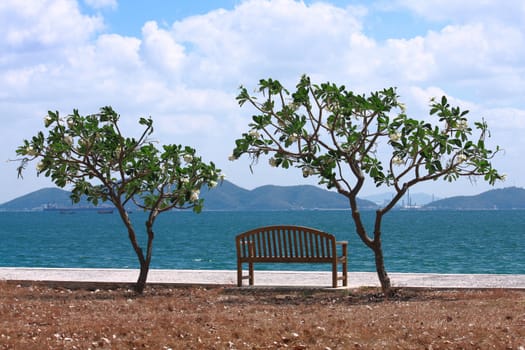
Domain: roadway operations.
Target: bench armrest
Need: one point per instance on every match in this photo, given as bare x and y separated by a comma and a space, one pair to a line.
344, 248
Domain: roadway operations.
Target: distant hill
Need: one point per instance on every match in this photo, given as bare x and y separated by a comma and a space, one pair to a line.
231, 197
46, 197
225, 197
506, 198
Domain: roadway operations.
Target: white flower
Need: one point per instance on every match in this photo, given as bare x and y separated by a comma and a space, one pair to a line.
68, 139
462, 157
188, 158
503, 177
462, 124
47, 120
307, 171
395, 136
398, 161
40, 166
212, 184
273, 162
254, 133
293, 106
184, 180
222, 177
293, 137
347, 148
403, 107
30, 151
231, 158
195, 195
70, 123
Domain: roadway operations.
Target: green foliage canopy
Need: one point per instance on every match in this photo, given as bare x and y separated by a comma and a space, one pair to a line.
91, 154
343, 138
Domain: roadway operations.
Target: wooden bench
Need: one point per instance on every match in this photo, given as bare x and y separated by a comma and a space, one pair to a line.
289, 244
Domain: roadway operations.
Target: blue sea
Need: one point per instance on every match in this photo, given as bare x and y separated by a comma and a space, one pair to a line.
414, 241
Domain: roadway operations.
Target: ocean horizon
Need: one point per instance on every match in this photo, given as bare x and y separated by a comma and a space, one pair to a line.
468, 242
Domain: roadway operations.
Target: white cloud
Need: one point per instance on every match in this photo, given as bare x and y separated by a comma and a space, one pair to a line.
186, 75
118, 51
410, 59
282, 38
476, 49
28, 26
161, 50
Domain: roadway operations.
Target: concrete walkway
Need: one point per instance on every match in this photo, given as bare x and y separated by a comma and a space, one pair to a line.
69, 276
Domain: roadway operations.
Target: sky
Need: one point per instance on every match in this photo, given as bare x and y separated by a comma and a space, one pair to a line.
182, 62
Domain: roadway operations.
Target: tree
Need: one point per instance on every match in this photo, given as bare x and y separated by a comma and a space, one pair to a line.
91, 154
345, 139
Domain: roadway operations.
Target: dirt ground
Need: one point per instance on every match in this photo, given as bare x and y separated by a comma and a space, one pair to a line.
40, 317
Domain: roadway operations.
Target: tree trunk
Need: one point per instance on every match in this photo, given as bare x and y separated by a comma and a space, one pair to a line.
145, 261
377, 248
380, 268
373, 244
143, 276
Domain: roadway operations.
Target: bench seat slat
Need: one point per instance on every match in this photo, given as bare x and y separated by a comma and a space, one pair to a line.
297, 259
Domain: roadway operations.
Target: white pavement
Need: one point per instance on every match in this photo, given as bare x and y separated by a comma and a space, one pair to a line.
315, 279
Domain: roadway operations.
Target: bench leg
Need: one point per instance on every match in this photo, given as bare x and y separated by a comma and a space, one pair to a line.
239, 274
345, 265
250, 272
345, 274
334, 274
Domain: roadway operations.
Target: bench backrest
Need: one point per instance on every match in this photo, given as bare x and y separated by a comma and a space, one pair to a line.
286, 244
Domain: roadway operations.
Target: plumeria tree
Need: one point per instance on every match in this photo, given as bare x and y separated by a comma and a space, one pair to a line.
90, 154
345, 139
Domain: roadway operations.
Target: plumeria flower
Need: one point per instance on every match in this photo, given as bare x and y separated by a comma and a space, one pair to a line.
30, 151
348, 148
293, 106
503, 177
395, 136
273, 162
195, 195
184, 180
68, 139
222, 177
293, 137
462, 157
188, 158
462, 124
40, 166
47, 120
254, 133
212, 184
398, 160
70, 123
307, 171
